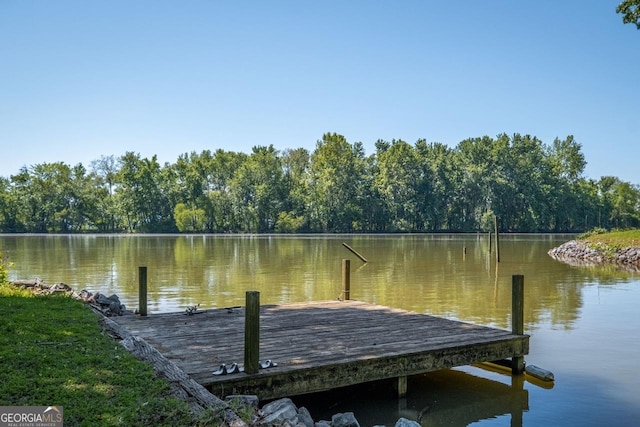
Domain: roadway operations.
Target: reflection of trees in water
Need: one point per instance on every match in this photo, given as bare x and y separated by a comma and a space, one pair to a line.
433, 275
424, 273
474, 287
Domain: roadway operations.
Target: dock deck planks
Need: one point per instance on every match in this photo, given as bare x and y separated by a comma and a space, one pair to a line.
319, 345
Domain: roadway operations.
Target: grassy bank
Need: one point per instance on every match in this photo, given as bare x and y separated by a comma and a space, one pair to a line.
54, 352
612, 239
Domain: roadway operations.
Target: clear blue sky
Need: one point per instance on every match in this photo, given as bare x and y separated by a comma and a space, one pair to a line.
82, 79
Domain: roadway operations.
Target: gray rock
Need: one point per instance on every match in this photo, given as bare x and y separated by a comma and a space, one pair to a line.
279, 412
60, 287
323, 423
114, 308
304, 417
102, 299
403, 422
346, 419
86, 296
278, 404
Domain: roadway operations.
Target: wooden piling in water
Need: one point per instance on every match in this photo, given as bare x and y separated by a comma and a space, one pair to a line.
495, 224
252, 332
517, 318
346, 279
142, 291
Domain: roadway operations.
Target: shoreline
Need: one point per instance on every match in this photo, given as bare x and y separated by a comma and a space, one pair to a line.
585, 253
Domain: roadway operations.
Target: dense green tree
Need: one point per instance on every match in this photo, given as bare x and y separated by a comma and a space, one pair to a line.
295, 166
20, 198
258, 190
567, 165
83, 203
183, 181
630, 10
52, 198
473, 193
588, 204
374, 214
525, 170
104, 172
9, 208
140, 199
189, 219
400, 187
567, 160
335, 179
5, 199
186, 184
621, 203
106, 169
438, 158
400, 183
220, 169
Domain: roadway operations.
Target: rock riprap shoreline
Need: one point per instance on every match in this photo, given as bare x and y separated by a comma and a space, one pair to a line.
577, 252
109, 306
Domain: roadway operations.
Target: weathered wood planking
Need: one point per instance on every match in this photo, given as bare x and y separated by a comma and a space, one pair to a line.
320, 345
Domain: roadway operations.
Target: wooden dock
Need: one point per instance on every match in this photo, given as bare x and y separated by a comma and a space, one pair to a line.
319, 345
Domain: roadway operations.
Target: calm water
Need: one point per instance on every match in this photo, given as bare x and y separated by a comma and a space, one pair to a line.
583, 321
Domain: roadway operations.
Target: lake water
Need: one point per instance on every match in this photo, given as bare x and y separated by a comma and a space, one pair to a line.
584, 322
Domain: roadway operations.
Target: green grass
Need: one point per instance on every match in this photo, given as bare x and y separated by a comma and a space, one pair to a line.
613, 239
54, 352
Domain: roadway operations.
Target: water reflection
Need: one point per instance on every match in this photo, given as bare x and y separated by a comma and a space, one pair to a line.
448, 397
447, 275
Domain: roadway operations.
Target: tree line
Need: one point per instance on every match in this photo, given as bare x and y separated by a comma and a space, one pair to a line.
423, 187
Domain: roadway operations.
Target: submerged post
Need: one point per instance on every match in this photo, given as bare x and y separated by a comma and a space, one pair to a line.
517, 318
346, 279
252, 332
142, 291
353, 251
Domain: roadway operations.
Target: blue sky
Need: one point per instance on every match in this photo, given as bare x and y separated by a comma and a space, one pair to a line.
83, 79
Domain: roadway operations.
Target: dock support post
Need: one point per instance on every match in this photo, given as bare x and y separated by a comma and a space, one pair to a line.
142, 291
489, 241
402, 386
252, 332
517, 318
346, 279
